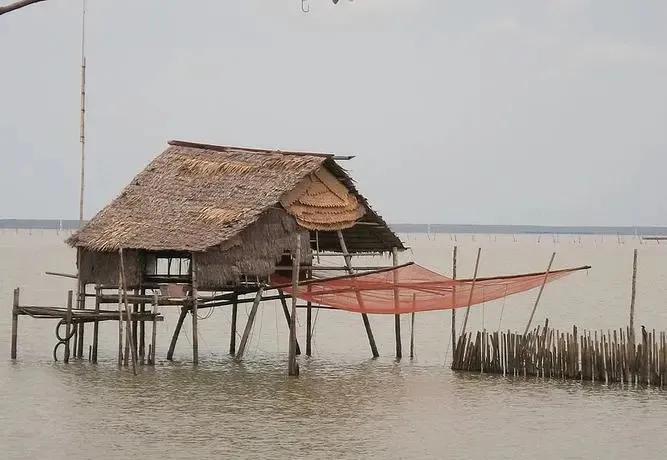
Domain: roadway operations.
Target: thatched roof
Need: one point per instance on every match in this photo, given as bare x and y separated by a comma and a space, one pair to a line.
196, 196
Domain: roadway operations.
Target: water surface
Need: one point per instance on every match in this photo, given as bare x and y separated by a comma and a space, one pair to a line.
344, 405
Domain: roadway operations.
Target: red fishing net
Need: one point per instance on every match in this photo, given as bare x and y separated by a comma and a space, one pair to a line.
412, 288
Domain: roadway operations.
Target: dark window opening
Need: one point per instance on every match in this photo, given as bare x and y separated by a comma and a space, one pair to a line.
167, 267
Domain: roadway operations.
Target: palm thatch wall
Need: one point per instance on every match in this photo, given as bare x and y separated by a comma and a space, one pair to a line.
255, 252
103, 267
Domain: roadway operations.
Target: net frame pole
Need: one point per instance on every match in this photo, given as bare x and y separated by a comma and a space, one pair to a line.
364, 316
472, 289
539, 294
397, 316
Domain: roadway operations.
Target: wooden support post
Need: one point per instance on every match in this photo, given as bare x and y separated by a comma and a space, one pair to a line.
364, 316
397, 316
135, 325
292, 365
539, 294
632, 298
151, 352
80, 304
472, 288
248, 325
309, 327
96, 324
288, 317
174, 338
309, 317
15, 322
128, 324
142, 329
68, 326
120, 323
412, 326
454, 302
232, 338
195, 336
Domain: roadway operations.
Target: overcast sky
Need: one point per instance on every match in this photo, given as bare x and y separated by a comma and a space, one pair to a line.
489, 112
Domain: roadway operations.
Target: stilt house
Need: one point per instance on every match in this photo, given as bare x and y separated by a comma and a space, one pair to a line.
236, 209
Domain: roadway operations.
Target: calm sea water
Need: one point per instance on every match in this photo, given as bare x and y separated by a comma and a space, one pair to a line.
344, 405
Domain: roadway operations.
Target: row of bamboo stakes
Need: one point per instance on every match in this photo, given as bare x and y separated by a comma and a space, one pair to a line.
609, 357
598, 356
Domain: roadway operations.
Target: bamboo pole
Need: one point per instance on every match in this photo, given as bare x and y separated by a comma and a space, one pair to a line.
232, 338
309, 321
81, 303
142, 329
195, 335
15, 322
249, 323
68, 326
177, 331
151, 352
472, 288
129, 338
96, 324
397, 316
633, 296
292, 365
539, 294
120, 323
364, 316
454, 302
412, 326
287, 315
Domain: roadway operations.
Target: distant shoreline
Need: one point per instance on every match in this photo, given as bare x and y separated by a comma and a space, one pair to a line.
72, 224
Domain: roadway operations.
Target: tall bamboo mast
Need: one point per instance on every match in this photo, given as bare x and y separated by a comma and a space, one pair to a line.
82, 126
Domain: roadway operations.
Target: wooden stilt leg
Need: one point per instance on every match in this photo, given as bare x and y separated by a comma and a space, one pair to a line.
309, 322
195, 333
135, 325
130, 338
369, 333
397, 317
151, 352
283, 301
248, 326
96, 324
453, 309
81, 304
142, 330
68, 326
174, 338
309, 329
15, 322
292, 365
75, 342
364, 316
120, 324
232, 338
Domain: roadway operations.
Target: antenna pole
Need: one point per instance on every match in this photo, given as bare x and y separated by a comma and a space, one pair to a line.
82, 131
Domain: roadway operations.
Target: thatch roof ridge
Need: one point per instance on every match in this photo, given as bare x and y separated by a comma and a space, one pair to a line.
229, 148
